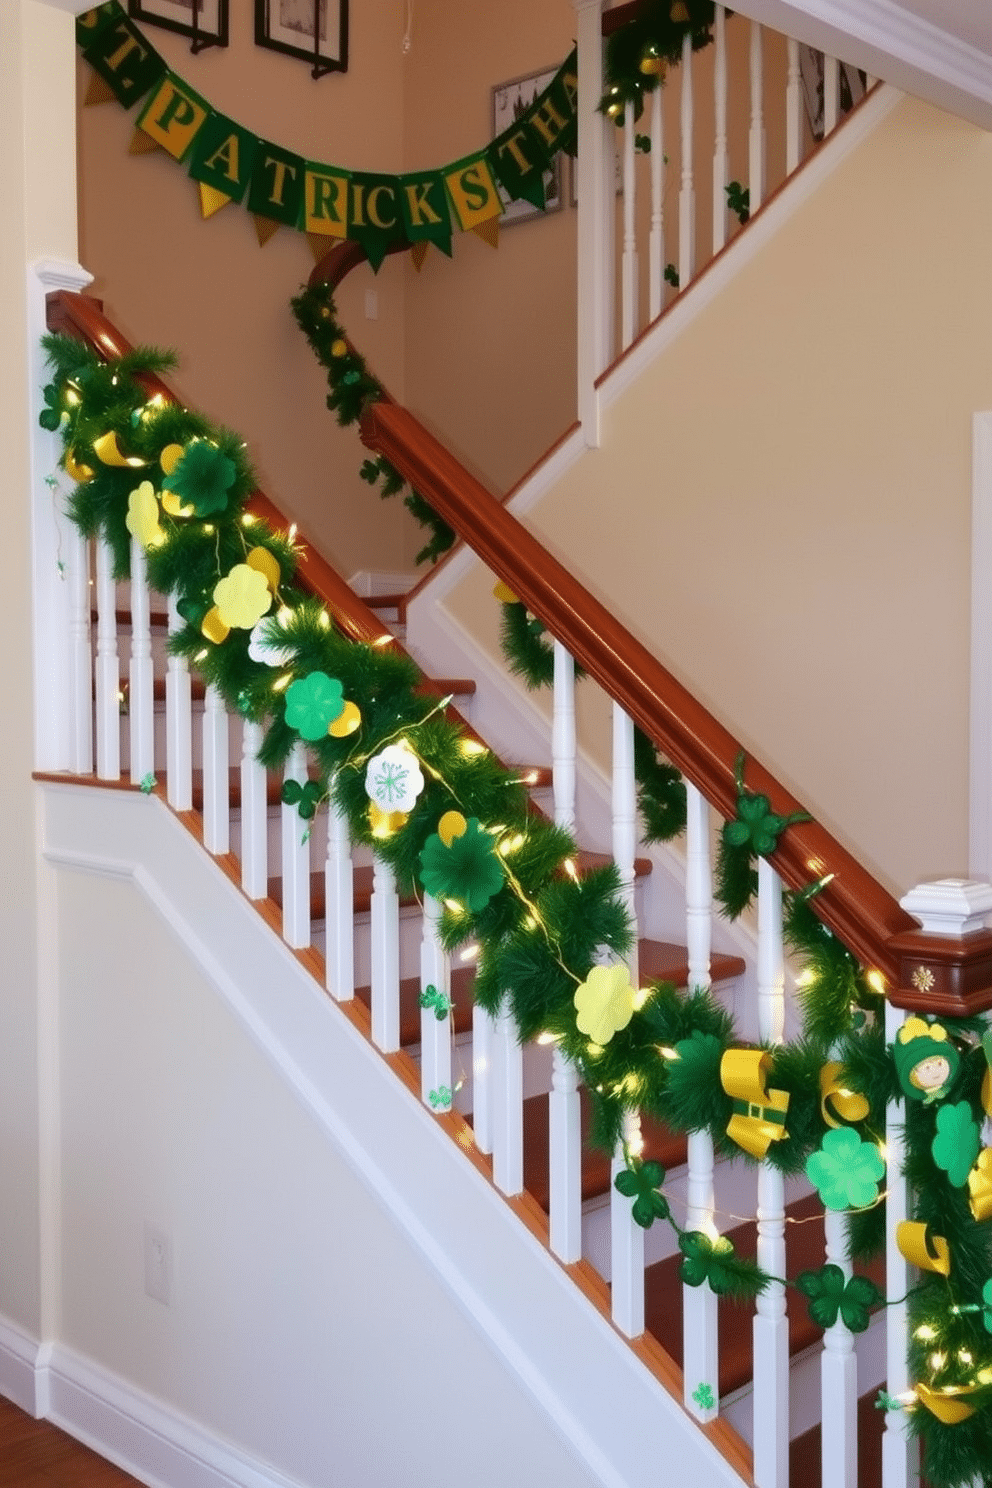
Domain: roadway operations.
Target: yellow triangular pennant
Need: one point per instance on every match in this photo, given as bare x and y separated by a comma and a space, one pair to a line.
488, 231
211, 200
141, 143
321, 245
98, 91
418, 252
265, 228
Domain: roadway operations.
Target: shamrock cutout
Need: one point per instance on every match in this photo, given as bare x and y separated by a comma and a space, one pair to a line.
846, 1171
830, 1296
987, 1309
53, 414
641, 1182
441, 1097
306, 796
467, 869
393, 778
264, 647
312, 704
242, 598
202, 476
756, 826
604, 1002
888, 1402
432, 998
957, 1143
142, 516
705, 1260
703, 1396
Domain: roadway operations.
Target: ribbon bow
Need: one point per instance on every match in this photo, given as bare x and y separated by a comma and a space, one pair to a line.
839, 1106
758, 1113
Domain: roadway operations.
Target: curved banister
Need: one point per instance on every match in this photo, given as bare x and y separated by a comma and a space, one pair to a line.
855, 906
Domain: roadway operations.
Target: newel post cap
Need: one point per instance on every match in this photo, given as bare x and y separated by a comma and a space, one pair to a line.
945, 967
950, 906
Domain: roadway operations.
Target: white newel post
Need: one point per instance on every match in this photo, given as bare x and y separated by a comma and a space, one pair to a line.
108, 668
771, 1325
700, 1347
179, 725
254, 815
955, 908
339, 898
58, 703
435, 1029
141, 693
594, 165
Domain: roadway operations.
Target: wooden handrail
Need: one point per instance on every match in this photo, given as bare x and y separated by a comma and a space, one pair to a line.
855, 906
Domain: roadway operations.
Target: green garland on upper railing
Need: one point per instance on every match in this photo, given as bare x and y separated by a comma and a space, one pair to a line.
455, 824
639, 53
353, 388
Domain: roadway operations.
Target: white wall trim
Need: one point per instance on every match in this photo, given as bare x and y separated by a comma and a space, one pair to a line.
370, 584
20, 1358
980, 761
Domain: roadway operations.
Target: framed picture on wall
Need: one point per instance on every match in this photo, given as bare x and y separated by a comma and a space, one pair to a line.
204, 21
314, 30
852, 87
510, 100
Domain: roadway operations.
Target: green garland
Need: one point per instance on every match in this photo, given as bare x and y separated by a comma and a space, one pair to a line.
507, 881
352, 389
638, 54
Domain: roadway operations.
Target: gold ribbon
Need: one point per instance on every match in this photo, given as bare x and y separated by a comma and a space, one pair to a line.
921, 1248
947, 1404
848, 1105
980, 1185
758, 1113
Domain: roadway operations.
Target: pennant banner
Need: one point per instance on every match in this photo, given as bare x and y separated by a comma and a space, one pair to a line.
280, 189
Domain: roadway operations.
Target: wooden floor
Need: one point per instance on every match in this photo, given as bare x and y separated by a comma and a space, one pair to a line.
35, 1454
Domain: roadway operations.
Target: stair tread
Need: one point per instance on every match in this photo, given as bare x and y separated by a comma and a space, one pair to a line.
585, 861
804, 1249
460, 992
273, 789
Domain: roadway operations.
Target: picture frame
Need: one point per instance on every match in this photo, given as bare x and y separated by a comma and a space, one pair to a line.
811, 70
316, 31
510, 100
203, 21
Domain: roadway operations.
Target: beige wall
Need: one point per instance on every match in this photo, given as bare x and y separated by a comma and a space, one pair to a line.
208, 290
782, 504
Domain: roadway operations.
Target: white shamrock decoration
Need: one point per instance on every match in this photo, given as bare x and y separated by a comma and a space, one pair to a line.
393, 778
263, 645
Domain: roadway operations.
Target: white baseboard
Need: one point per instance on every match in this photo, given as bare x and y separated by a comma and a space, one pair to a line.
20, 1361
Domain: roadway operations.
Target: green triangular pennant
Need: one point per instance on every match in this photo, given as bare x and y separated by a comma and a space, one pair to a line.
123, 58
374, 214
223, 155
91, 22
550, 123
276, 187
424, 204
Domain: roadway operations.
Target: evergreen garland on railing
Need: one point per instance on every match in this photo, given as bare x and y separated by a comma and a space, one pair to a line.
352, 389
454, 823
639, 53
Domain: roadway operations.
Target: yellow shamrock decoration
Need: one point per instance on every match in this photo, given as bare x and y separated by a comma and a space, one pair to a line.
347, 721
170, 457
242, 598
264, 563
604, 1003
451, 825
142, 516
214, 628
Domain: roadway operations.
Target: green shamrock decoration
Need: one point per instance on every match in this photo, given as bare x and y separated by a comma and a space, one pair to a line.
987, 1309
756, 827
148, 783
442, 1096
887, 1402
705, 1260
846, 1171
202, 477
703, 1396
306, 796
831, 1296
312, 704
641, 1181
52, 415
957, 1143
432, 998
468, 870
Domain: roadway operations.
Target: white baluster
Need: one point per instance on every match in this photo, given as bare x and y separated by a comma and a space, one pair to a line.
216, 776
483, 1078
687, 193
254, 815
563, 739
625, 822
141, 695
831, 94
596, 266
108, 669
80, 651
435, 1032
339, 895
629, 270
385, 932
720, 131
508, 1111
178, 724
839, 1378
656, 248
626, 1243
295, 860
699, 1304
900, 1451
771, 1328
756, 132
565, 1160
793, 110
